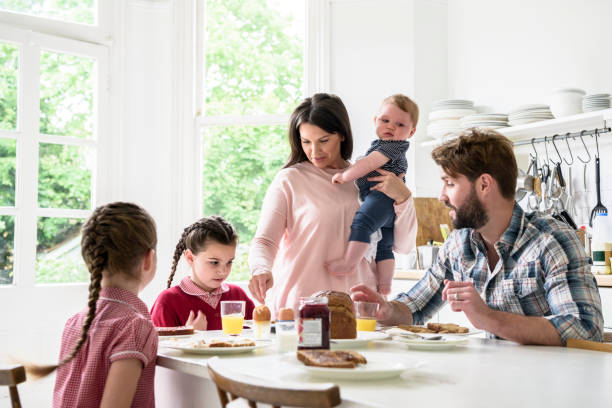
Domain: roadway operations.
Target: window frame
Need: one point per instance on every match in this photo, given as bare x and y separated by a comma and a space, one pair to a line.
316, 63
26, 210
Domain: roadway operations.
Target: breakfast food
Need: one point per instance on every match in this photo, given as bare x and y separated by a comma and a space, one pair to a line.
447, 328
174, 331
331, 358
222, 343
261, 322
343, 323
442, 328
286, 314
415, 329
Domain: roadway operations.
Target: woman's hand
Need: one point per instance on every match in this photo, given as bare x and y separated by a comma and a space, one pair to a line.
199, 322
259, 285
338, 178
362, 293
391, 185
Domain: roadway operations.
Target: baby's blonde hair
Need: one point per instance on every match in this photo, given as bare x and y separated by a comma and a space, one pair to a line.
406, 104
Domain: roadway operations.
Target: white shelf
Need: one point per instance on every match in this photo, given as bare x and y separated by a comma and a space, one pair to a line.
574, 123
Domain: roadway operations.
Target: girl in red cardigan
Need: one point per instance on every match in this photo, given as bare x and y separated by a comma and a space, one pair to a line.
209, 246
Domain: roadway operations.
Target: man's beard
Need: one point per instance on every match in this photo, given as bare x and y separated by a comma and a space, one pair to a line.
470, 214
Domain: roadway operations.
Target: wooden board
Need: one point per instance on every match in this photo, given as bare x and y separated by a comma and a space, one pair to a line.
430, 214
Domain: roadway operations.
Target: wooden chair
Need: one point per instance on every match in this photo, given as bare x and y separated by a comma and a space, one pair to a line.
11, 376
232, 385
592, 345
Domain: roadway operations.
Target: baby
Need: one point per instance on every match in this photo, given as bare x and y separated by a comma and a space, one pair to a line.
395, 123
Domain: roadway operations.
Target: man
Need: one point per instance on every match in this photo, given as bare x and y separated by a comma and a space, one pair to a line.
522, 277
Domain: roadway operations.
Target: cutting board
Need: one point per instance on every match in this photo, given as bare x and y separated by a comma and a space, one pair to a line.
430, 214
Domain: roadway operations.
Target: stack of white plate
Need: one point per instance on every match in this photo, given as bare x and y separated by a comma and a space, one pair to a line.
485, 120
445, 116
595, 102
528, 114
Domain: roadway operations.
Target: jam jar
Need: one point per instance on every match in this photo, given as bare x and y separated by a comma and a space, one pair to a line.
313, 323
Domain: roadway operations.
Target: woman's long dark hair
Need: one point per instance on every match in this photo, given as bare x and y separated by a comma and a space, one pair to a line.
325, 111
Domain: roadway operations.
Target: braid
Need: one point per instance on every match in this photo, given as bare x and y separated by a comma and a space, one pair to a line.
115, 239
197, 235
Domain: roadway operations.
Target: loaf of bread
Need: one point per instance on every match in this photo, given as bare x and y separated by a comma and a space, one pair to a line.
331, 358
343, 324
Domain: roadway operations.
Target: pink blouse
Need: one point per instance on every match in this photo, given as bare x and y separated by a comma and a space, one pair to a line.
305, 221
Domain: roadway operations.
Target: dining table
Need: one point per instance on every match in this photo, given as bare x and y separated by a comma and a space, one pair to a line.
474, 372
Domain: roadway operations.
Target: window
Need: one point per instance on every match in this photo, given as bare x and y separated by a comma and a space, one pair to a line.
253, 79
51, 97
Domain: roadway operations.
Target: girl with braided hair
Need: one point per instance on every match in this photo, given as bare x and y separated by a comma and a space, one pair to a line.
209, 246
109, 349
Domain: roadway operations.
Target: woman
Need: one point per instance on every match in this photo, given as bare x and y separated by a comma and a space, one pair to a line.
305, 219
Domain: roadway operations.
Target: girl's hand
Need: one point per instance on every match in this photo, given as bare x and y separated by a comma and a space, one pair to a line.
198, 323
362, 293
338, 178
391, 185
259, 285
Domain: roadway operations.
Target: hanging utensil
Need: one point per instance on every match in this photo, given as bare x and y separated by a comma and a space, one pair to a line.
599, 207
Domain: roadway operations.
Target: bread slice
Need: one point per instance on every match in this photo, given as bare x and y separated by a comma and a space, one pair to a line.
447, 328
331, 358
415, 329
174, 331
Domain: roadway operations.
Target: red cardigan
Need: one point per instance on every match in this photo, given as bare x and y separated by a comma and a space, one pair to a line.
172, 307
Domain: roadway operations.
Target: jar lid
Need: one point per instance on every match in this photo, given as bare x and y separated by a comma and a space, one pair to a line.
317, 300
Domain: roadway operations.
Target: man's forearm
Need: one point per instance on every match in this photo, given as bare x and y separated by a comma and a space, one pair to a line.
523, 329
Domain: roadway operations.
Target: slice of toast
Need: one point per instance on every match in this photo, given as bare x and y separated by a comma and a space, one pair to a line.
174, 331
331, 358
447, 328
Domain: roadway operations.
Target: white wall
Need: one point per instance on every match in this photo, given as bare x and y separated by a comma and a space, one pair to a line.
507, 53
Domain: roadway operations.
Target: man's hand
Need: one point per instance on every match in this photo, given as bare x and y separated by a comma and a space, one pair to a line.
259, 285
463, 297
362, 293
338, 178
199, 322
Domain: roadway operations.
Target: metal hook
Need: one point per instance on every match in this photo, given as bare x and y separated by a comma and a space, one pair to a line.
546, 149
585, 149
535, 151
567, 135
556, 150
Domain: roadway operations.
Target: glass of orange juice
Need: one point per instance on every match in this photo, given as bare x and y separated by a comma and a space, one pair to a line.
232, 316
365, 312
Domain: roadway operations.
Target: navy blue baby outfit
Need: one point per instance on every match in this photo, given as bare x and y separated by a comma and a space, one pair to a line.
376, 211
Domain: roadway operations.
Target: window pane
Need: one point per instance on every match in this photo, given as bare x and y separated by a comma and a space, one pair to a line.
58, 251
7, 233
254, 56
75, 11
239, 164
8, 154
64, 176
66, 94
9, 67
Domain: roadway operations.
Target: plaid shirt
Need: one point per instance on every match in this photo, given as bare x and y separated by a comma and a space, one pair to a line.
543, 270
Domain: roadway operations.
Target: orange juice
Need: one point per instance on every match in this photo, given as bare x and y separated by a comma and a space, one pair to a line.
232, 324
366, 324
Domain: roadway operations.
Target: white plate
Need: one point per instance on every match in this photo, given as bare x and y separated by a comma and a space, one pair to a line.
430, 345
181, 336
363, 338
214, 350
378, 367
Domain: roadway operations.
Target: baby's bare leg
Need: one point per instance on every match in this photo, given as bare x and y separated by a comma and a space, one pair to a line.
352, 256
385, 270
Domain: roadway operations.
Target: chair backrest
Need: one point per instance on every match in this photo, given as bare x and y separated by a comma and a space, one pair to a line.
256, 390
11, 376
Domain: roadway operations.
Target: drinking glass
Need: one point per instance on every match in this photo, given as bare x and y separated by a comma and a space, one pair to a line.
232, 316
366, 315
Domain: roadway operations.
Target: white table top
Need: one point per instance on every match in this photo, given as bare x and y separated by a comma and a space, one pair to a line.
479, 373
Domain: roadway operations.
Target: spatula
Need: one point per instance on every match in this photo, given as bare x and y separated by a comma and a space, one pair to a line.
599, 207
